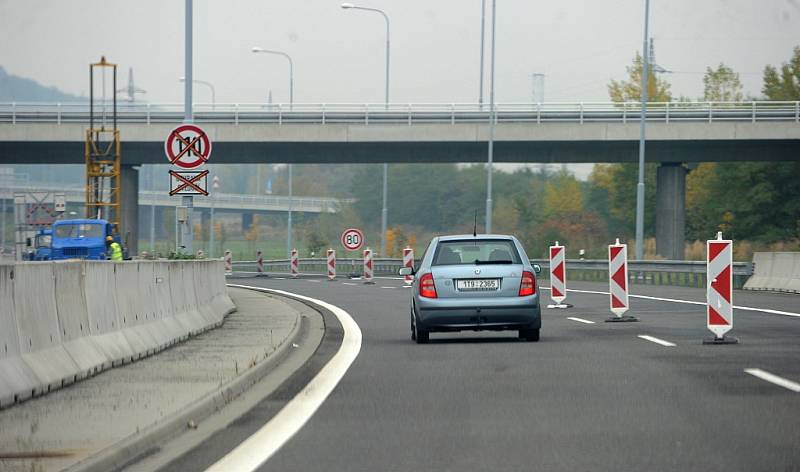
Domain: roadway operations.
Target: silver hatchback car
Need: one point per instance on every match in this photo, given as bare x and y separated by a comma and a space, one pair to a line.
475, 282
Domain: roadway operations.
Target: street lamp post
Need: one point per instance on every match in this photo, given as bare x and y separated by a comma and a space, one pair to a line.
642, 130
492, 119
207, 84
257, 49
483, 35
188, 117
384, 210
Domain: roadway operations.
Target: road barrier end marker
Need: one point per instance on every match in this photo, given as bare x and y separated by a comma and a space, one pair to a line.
618, 283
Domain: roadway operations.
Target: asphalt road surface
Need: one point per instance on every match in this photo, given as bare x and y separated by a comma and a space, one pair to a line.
587, 397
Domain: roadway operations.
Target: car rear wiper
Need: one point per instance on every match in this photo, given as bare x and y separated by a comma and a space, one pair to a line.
477, 262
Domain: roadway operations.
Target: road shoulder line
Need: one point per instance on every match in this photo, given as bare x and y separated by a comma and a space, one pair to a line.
265, 442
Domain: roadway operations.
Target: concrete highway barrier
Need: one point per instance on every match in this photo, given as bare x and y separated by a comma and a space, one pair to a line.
63, 321
775, 271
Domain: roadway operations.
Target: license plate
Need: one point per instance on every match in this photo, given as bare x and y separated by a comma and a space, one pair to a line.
478, 284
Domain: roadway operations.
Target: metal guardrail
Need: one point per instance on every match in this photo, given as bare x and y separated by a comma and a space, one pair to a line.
222, 201
683, 273
411, 113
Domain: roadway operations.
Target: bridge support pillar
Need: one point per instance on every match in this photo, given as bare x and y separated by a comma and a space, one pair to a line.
671, 210
247, 221
129, 200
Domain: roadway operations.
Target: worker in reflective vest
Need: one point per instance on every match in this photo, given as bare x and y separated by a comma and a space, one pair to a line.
114, 249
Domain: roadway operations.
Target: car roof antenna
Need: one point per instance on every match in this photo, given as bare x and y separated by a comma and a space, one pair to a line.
475, 226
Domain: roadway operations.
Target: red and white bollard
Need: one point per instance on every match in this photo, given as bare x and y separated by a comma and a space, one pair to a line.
558, 281
408, 261
368, 273
259, 263
294, 264
618, 282
331, 264
719, 297
228, 262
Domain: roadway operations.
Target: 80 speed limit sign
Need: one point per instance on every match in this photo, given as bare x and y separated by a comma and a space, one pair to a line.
352, 239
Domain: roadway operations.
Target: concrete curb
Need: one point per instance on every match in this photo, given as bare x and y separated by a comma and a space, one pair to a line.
140, 444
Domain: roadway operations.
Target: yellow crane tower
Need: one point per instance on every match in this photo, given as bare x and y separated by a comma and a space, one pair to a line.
102, 151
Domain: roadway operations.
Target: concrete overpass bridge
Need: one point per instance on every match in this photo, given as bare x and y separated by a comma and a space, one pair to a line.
678, 133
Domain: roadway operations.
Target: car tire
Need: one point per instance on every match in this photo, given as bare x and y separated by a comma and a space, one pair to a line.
423, 336
413, 328
529, 334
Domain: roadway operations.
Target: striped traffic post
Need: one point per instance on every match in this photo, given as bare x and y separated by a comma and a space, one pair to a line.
228, 258
368, 266
408, 261
259, 263
719, 295
331, 255
558, 281
618, 282
294, 264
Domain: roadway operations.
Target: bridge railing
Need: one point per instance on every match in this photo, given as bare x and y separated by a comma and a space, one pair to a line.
221, 200
409, 113
681, 273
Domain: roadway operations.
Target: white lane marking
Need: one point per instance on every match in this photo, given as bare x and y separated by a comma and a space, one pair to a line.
656, 340
580, 320
772, 378
313, 281
280, 278
390, 287
348, 283
255, 450
688, 302
406, 286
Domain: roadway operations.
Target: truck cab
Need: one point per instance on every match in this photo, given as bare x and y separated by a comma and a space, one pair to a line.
39, 247
81, 239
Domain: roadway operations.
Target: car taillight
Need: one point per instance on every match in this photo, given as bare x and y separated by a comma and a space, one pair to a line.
427, 288
528, 284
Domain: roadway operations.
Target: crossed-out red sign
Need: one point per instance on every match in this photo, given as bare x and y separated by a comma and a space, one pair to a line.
188, 183
187, 146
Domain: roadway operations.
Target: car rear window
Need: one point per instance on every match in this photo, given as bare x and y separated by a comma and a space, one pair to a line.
476, 251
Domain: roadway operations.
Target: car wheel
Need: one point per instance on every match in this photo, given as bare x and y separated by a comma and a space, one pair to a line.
529, 334
413, 328
422, 336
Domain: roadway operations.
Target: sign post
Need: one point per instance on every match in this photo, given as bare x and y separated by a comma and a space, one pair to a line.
719, 295
558, 283
352, 239
618, 282
331, 256
188, 147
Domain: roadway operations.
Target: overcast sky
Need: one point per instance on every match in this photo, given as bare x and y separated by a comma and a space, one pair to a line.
339, 54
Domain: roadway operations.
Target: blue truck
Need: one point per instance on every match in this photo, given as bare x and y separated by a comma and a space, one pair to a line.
39, 246
81, 239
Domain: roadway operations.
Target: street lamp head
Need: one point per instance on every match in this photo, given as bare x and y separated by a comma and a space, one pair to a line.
347, 5
256, 49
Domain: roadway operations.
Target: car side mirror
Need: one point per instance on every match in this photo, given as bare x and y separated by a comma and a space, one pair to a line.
406, 271
537, 268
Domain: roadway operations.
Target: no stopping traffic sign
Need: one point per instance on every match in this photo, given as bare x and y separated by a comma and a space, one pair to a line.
352, 239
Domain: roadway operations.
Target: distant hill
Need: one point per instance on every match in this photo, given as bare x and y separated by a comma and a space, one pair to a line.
19, 89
